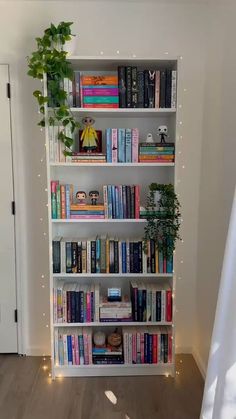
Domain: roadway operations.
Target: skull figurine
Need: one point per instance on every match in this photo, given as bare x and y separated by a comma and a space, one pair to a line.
162, 130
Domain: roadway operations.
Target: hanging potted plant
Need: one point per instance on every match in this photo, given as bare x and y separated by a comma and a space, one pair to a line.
163, 217
50, 59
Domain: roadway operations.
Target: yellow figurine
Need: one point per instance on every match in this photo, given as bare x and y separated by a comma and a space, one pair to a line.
89, 136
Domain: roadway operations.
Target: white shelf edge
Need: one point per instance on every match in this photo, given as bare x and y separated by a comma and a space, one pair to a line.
128, 111
105, 324
99, 220
77, 164
114, 370
118, 58
118, 275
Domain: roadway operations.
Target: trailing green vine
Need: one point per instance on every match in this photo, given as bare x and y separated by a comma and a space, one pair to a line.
163, 217
50, 59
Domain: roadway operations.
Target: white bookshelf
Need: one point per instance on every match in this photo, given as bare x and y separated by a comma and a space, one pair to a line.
89, 176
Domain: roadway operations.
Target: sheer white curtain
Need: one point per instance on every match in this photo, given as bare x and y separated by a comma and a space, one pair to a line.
219, 400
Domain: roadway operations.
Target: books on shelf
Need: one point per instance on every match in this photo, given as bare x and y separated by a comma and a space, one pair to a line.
156, 152
121, 201
108, 255
140, 346
83, 157
150, 302
78, 211
75, 303
147, 346
146, 88
122, 145
115, 311
128, 87
73, 348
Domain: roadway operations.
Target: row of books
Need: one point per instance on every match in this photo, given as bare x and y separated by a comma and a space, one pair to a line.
150, 302
146, 88
140, 346
128, 87
157, 152
108, 255
121, 201
61, 199
75, 303
122, 145
73, 349
115, 311
147, 346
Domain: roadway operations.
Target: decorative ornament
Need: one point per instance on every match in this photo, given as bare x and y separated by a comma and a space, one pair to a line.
89, 136
99, 338
94, 195
149, 138
114, 339
162, 132
81, 197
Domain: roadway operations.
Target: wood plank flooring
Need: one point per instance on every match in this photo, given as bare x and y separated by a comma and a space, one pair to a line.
26, 392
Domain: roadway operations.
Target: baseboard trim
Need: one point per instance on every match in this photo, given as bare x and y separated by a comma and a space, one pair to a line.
200, 363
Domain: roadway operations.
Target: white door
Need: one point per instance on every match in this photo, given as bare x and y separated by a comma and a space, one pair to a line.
8, 326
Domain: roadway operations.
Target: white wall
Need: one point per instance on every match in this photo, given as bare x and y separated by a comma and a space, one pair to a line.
144, 29
218, 168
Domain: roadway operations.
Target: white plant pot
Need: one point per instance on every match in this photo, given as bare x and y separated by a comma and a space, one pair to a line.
70, 46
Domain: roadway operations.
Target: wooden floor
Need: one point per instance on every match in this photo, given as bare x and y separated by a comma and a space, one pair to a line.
26, 392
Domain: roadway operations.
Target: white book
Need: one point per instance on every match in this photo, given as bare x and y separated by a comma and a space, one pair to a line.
56, 357
51, 143
65, 349
56, 143
144, 261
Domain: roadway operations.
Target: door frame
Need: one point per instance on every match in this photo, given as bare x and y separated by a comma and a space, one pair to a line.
17, 192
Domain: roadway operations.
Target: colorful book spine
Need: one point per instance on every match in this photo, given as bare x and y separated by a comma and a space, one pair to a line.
100, 91
109, 145
67, 190
100, 99
128, 145
114, 145
135, 145
121, 145
54, 199
63, 201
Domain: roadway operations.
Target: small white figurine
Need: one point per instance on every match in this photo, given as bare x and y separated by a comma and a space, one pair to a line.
162, 130
149, 138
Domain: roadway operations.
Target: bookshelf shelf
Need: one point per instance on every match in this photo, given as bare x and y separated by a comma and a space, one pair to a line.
112, 165
102, 220
112, 324
118, 275
126, 112
114, 370
145, 120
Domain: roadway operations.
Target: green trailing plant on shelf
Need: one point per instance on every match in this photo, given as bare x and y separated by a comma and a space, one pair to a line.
51, 59
163, 217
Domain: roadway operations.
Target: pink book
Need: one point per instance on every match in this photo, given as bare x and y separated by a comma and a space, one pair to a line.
88, 307
86, 217
86, 355
73, 349
137, 201
114, 144
135, 145
164, 265
154, 349
87, 91
76, 350
142, 347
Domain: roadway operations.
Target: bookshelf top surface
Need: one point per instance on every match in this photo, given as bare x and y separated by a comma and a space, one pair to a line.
111, 62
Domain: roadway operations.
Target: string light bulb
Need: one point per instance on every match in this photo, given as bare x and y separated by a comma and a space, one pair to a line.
117, 52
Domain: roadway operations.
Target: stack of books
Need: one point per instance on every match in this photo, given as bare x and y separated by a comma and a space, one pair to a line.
80, 211
108, 255
122, 145
74, 303
107, 355
152, 347
157, 152
147, 88
73, 349
121, 201
84, 157
150, 302
115, 311
99, 90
